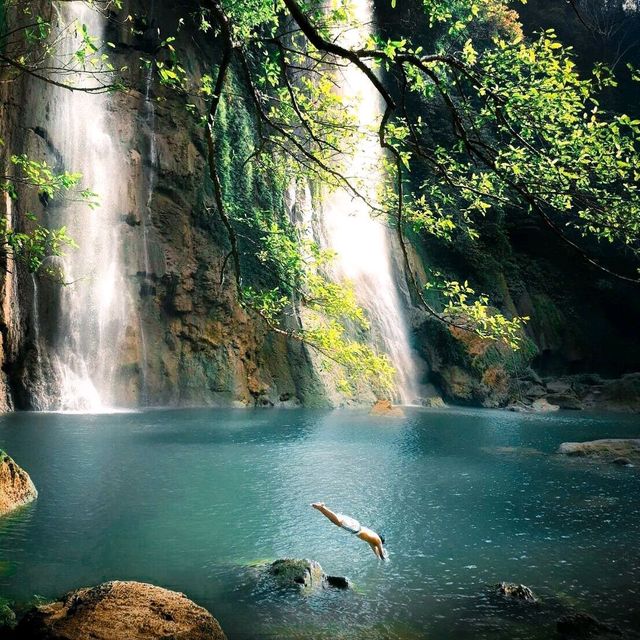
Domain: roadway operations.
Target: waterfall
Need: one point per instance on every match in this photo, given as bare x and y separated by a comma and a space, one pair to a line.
363, 243
93, 304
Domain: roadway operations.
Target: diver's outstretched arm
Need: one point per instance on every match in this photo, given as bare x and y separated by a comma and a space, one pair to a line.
325, 511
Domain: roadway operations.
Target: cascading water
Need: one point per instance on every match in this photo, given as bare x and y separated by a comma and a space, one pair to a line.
93, 305
363, 243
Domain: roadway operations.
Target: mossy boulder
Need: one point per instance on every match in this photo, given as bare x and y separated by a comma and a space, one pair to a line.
16, 487
302, 574
291, 572
516, 592
120, 611
470, 370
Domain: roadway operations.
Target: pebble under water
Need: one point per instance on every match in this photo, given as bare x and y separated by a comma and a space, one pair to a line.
465, 498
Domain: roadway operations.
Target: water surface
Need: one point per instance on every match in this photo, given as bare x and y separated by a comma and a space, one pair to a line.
187, 499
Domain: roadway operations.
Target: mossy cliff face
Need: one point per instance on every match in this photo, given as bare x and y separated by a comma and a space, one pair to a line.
187, 340
580, 321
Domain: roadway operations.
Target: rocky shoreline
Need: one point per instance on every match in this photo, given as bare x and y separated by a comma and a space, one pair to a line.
129, 610
119, 610
579, 392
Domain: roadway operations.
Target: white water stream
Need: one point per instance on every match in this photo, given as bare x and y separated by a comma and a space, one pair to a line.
94, 306
364, 243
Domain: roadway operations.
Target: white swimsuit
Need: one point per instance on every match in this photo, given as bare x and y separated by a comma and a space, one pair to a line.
349, 523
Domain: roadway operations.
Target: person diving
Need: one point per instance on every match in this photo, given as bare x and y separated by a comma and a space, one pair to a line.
373, 539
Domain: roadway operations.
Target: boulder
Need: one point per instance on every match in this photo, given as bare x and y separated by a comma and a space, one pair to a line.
433, 402
542, 405
583, 625
622, 394
519, 407
565, 401
558, 386
385, 408
519, 592
459, 386
607, 449
533, 390
16, 487
531, 376
306, 575
120, 611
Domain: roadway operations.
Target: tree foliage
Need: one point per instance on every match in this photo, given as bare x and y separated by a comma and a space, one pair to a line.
475, 119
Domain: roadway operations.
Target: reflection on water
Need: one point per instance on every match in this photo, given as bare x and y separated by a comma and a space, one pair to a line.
187, 499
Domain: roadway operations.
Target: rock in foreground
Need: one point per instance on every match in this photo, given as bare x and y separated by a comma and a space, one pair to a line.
608, 449
16, 487
385, 408
120, 611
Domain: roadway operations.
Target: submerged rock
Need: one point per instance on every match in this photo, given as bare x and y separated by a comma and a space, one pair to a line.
16, 487
304, 574
513, 451
608, 449
385, 408
583, 625
120, 611
515, 591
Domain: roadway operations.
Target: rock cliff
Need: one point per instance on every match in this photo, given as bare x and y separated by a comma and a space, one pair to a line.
187, 340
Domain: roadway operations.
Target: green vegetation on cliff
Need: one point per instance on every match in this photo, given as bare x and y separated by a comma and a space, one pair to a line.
477, 122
